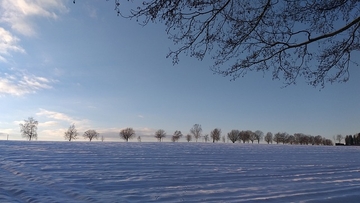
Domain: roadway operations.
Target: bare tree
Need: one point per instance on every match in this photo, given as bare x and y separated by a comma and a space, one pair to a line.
252, 136
188, 137
223, 138
233, 135
339, 138
215, 134
206, 137
290, 139
304, 38
29, 129
102, 138
160, 134
91, 134
127, 133
258, 135
176, 136
244, 136
277, 138
268, 137
71, 133
318, 140
139, 138
196, 131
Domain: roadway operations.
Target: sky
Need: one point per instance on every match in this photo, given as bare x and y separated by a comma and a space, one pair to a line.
65, 63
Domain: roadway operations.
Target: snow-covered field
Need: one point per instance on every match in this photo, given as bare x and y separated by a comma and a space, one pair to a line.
177, 172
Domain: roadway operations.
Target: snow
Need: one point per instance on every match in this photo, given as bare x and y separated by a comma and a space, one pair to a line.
176, 172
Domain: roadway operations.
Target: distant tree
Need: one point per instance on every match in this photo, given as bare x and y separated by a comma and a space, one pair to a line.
233, 135
127, 133
290, 139
102, 138
215, 134
139, 138
91, 134
252, 136
29, 129
268, 137
258, 135
223, 138
188, 137
177, 135
339, 138
196, 131
278, 138
357, 139
327, 142
311, 139
244, 136
71, 133
318, 140
160, 134
206, 137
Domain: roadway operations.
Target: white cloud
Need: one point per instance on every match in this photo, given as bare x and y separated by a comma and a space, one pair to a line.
8, 43
18, 14
21, 84
55, 115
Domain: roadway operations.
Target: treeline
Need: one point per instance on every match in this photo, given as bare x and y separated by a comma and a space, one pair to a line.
352, 139
248, 136
29, 128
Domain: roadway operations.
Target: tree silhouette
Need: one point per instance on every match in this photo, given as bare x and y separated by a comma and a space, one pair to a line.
29, 129
196, 131
160, 134
316, 40
127, 133
233, 135
71, 133
91, 134
215, 134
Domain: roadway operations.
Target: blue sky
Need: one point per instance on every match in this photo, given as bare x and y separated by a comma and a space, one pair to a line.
65, 63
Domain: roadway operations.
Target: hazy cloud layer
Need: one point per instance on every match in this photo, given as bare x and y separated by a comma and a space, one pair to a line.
20, 84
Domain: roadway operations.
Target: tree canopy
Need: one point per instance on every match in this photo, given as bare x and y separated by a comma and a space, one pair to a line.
28, 129
313, 39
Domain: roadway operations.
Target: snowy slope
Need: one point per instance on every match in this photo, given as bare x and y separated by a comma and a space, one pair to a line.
177, 172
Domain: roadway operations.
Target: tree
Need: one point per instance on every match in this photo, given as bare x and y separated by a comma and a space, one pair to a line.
206, 137
268, 137
233, 135
244, 136
290, 139
258, 135
29, 129
91, 134
215, 134
102, 138
177, 135
313, 39
317, 140
188, 137
278, 138
126, 134
71, 133
252, 136
160, 134
339, 138
139, 138
196, 131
